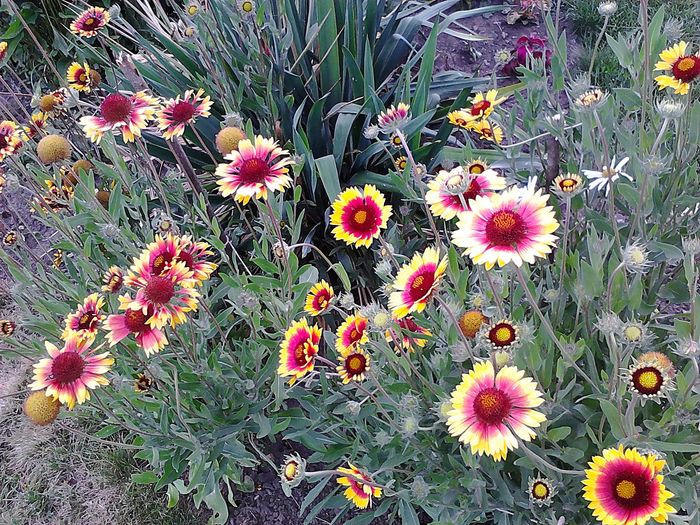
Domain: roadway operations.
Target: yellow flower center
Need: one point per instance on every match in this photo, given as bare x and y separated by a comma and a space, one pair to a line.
637, 256
290, 470
609, 172
567, 184
503, 334
418, 282
355, 363
247, 7
685, 64
648, 380
476, 169
360, 216
626, 489
633, 333
540, 490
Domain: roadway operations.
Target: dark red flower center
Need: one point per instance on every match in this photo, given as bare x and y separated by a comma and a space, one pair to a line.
479, 107
568, 185
115, 282
182, 112
253, 171
421, 284
188, 259
363, 217
303, 353
476, 168
135, 321
505, 228
687, 68
3, 140
160, 263
7, 327
492, 405
631, 490
648, 380
502, 334
322, 299
67, 367
116, 108
355, 364
409, 324
473, 190
87, 321
159, 290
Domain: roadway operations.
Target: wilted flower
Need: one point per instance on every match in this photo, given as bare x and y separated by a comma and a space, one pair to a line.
635, 258
142, 383
485, 130
527, 49
371, 132
607, 8
608, 175
471, 322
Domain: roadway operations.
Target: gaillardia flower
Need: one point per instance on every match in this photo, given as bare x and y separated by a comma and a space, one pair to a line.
80, 77
482, 106
452, 191
487, 411
143, 383
359, 215
540, 491
319, 298
357, 492
471, 322
136, 322
86, 319
354, 363
351, 334
409, 335
9, 138
512, 226
41, 409
7, 327
651, 376
254, 168
165, 297
298, 350
485, 130
128, 114
394, 118
3, 50
69, 372
567, 185
416, 282
90, 21
683, 68
37, 124
502, 334
625, 487
113, 280
177, 113
194, 256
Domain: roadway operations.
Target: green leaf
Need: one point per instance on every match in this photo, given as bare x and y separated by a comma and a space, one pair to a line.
328, 173
144, 478
612, 413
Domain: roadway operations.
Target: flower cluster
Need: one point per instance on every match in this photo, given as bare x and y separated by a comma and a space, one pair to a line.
476, 117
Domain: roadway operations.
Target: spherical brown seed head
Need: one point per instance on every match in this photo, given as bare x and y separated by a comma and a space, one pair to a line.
41, 409
95, 78
82, 164
48, 103
53, 148
228, 138
103, 197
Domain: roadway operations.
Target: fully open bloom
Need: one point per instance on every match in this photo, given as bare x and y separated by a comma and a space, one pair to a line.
319, 298
351, 334
128, 114
298, 350
359, 215
452, 191
90, 21
487, 412
254, 168
482, 106
69, 372
683, 67
177, 113
165, 296
513, 226
134, 321
501, 335
194, 256
605, 177
9, 138
358, 492
416, 282
394, 118
409, 335
354, 363
84, 322
625, 487
485, 130
651, 376
80, 77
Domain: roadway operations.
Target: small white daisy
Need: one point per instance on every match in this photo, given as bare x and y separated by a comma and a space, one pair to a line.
602, 179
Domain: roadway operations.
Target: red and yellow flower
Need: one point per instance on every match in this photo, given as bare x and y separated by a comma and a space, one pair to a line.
134, 322
358, 490
69, 372
298, 350
127, 114
359, 215
351, 334
354, 363
80, 77
3, 50
452, 191
90, 21
512, 226
37, 124
394, 118
164, 295
683, 68
319, 298
489, 412
409, 335
10, 139
85, 321
113, 280
416, 282
485, 130
482, 106
625, 487
194, 256
254, 169
177, 113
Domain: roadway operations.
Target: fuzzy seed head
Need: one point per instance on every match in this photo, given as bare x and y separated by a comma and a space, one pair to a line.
53, 148
41, 409
228, 138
